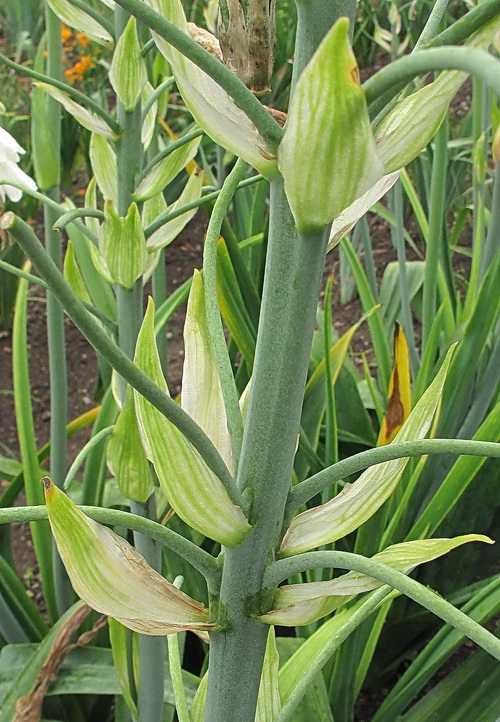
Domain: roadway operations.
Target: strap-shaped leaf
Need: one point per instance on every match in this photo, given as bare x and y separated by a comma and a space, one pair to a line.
359, 501
201, 394
190, 486
299, 604
208, 103
113, 578
399, 396
79, 19
82, 115
328, 156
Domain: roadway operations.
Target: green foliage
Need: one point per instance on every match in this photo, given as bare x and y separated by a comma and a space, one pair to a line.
275, 408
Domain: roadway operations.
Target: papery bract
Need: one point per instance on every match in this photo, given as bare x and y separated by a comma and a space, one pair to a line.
113, 578
210, 105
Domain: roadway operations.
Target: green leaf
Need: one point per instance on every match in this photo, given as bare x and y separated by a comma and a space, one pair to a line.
128, 73
72, 274
113, 578
192, 489
103, 161
118, 637
125, 455
122, 243
82, 115
79, 19
201, 395
268, 701
300, 604
328, 156
171, 229
165, 170
359, 501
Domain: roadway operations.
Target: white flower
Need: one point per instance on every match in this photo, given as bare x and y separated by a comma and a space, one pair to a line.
10, 153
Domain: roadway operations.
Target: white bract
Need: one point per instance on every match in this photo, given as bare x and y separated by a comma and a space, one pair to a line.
10, 153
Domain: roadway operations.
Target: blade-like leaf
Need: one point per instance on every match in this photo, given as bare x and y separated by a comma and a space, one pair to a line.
113, 578
165, 170
171, 229
191, 488
79, 19
399, 396
81, 114
128, 73
268, 701
359, 501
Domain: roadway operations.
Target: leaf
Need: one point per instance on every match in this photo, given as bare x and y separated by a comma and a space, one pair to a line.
195, 493
300, 604
208, 103
359, 501
123, 246
113, 578
128, 73
201, 395
82, 115
328, 156
399, 396
165, 170
79, 19
125, 455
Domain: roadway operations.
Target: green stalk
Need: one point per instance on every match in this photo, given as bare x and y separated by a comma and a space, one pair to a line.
294, 268
229, 391
194, 555
344, 468
397, 580
55, 314
129, 160
436, 210
476, 62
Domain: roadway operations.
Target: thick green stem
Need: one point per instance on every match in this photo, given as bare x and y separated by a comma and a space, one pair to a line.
129, 159
294, 268
315, 18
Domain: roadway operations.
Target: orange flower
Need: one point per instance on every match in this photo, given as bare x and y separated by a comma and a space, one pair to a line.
83, 40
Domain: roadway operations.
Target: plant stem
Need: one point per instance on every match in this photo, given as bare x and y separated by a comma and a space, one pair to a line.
342, 469
292, 282
397, 580
197, 557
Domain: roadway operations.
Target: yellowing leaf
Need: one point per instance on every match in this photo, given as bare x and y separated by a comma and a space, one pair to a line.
399, 397
113, 578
